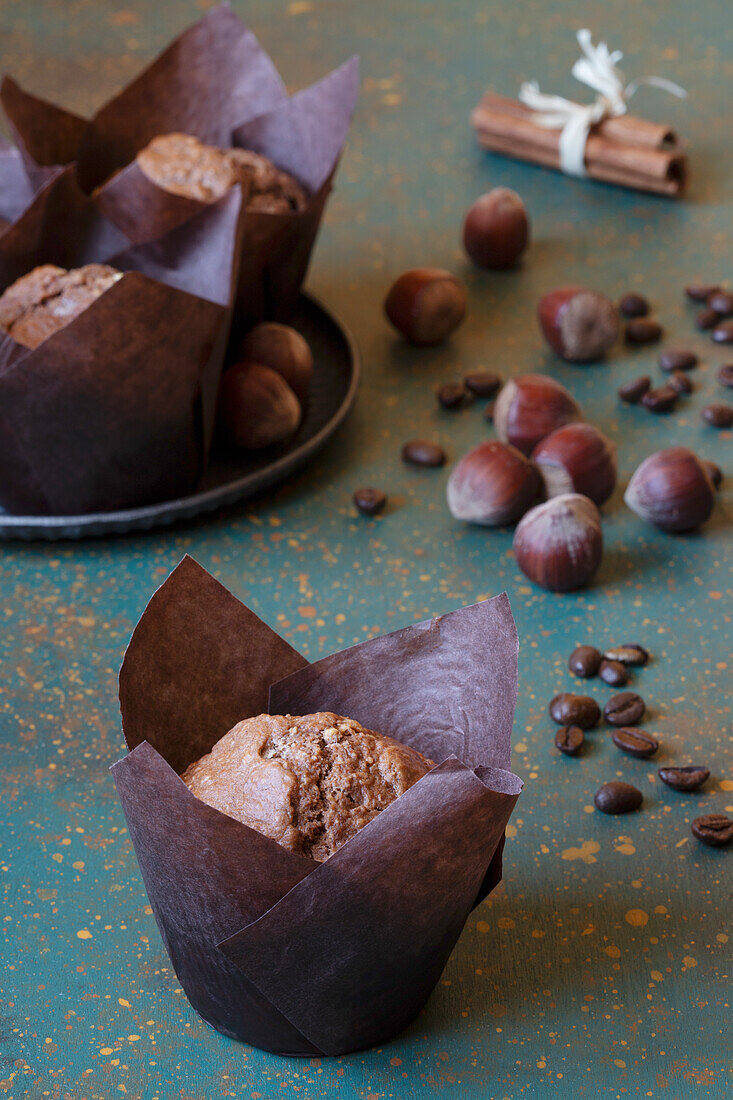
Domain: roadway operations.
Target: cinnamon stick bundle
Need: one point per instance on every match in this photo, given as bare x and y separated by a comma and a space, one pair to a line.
627, 151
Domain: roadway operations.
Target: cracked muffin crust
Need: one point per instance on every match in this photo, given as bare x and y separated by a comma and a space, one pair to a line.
183, 165
309, 782
49, 297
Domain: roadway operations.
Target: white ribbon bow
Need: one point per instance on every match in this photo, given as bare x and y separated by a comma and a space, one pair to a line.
598, 69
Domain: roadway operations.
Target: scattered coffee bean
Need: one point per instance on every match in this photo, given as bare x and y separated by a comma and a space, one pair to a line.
614, 673
706, 318
689, 778
628, 654
625, 709
575, 710
421, 452
680, 383
483, 383
700, 292
723, 334
661, 400
370, 502
643, 331
634, 305
635, 742
569, 739
617, 798
725, 375
584, 661
718, 415
451, 395
713, 829
722, 302
714, 473
677, 359
632, 392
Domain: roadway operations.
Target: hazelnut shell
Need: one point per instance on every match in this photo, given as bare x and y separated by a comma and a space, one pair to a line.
530, 407
494, 484
559, 544
426, 304
577, 458
282, 349
256, 406
496, 229
579, 324
672, 489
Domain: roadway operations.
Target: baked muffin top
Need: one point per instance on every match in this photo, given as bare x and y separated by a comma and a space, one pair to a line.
40, 303
309, 782
183, 165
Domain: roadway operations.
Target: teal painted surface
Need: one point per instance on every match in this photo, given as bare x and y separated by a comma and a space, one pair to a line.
602, 965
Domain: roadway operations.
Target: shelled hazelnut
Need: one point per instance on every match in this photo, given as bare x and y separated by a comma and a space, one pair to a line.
579, 324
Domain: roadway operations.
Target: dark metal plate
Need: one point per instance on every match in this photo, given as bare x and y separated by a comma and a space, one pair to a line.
234, 478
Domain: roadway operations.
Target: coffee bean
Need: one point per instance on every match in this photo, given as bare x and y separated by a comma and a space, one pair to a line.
628, 654
632, 392
634, 305
718, 415
421, 452
725, 375
451, 395
713, 829
643, 331
723, 334
575, 710
489, 412
625, 709
689, 778
677, 359
483, 383
706, 318
569, 739
661, 400
700, 292
614, 673
722, 302
617, 798
635, 742
584, 661
714, 473
370, 502
680, 383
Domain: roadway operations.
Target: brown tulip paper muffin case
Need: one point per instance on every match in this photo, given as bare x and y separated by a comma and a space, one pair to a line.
117, 408
299, 957
217, 83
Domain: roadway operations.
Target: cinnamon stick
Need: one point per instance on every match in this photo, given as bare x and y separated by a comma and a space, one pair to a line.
627, 151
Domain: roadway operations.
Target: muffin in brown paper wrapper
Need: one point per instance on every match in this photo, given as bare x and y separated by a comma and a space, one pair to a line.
216, 83
117, 408
295, 956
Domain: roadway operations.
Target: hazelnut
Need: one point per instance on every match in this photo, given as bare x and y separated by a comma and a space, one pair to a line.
559, 544
672, 489
531, 406
578, 324
493, 484
282, 349
256, 406
577, 458
496, 229
426, 304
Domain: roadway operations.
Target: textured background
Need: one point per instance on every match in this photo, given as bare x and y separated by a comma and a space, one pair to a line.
602, 965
